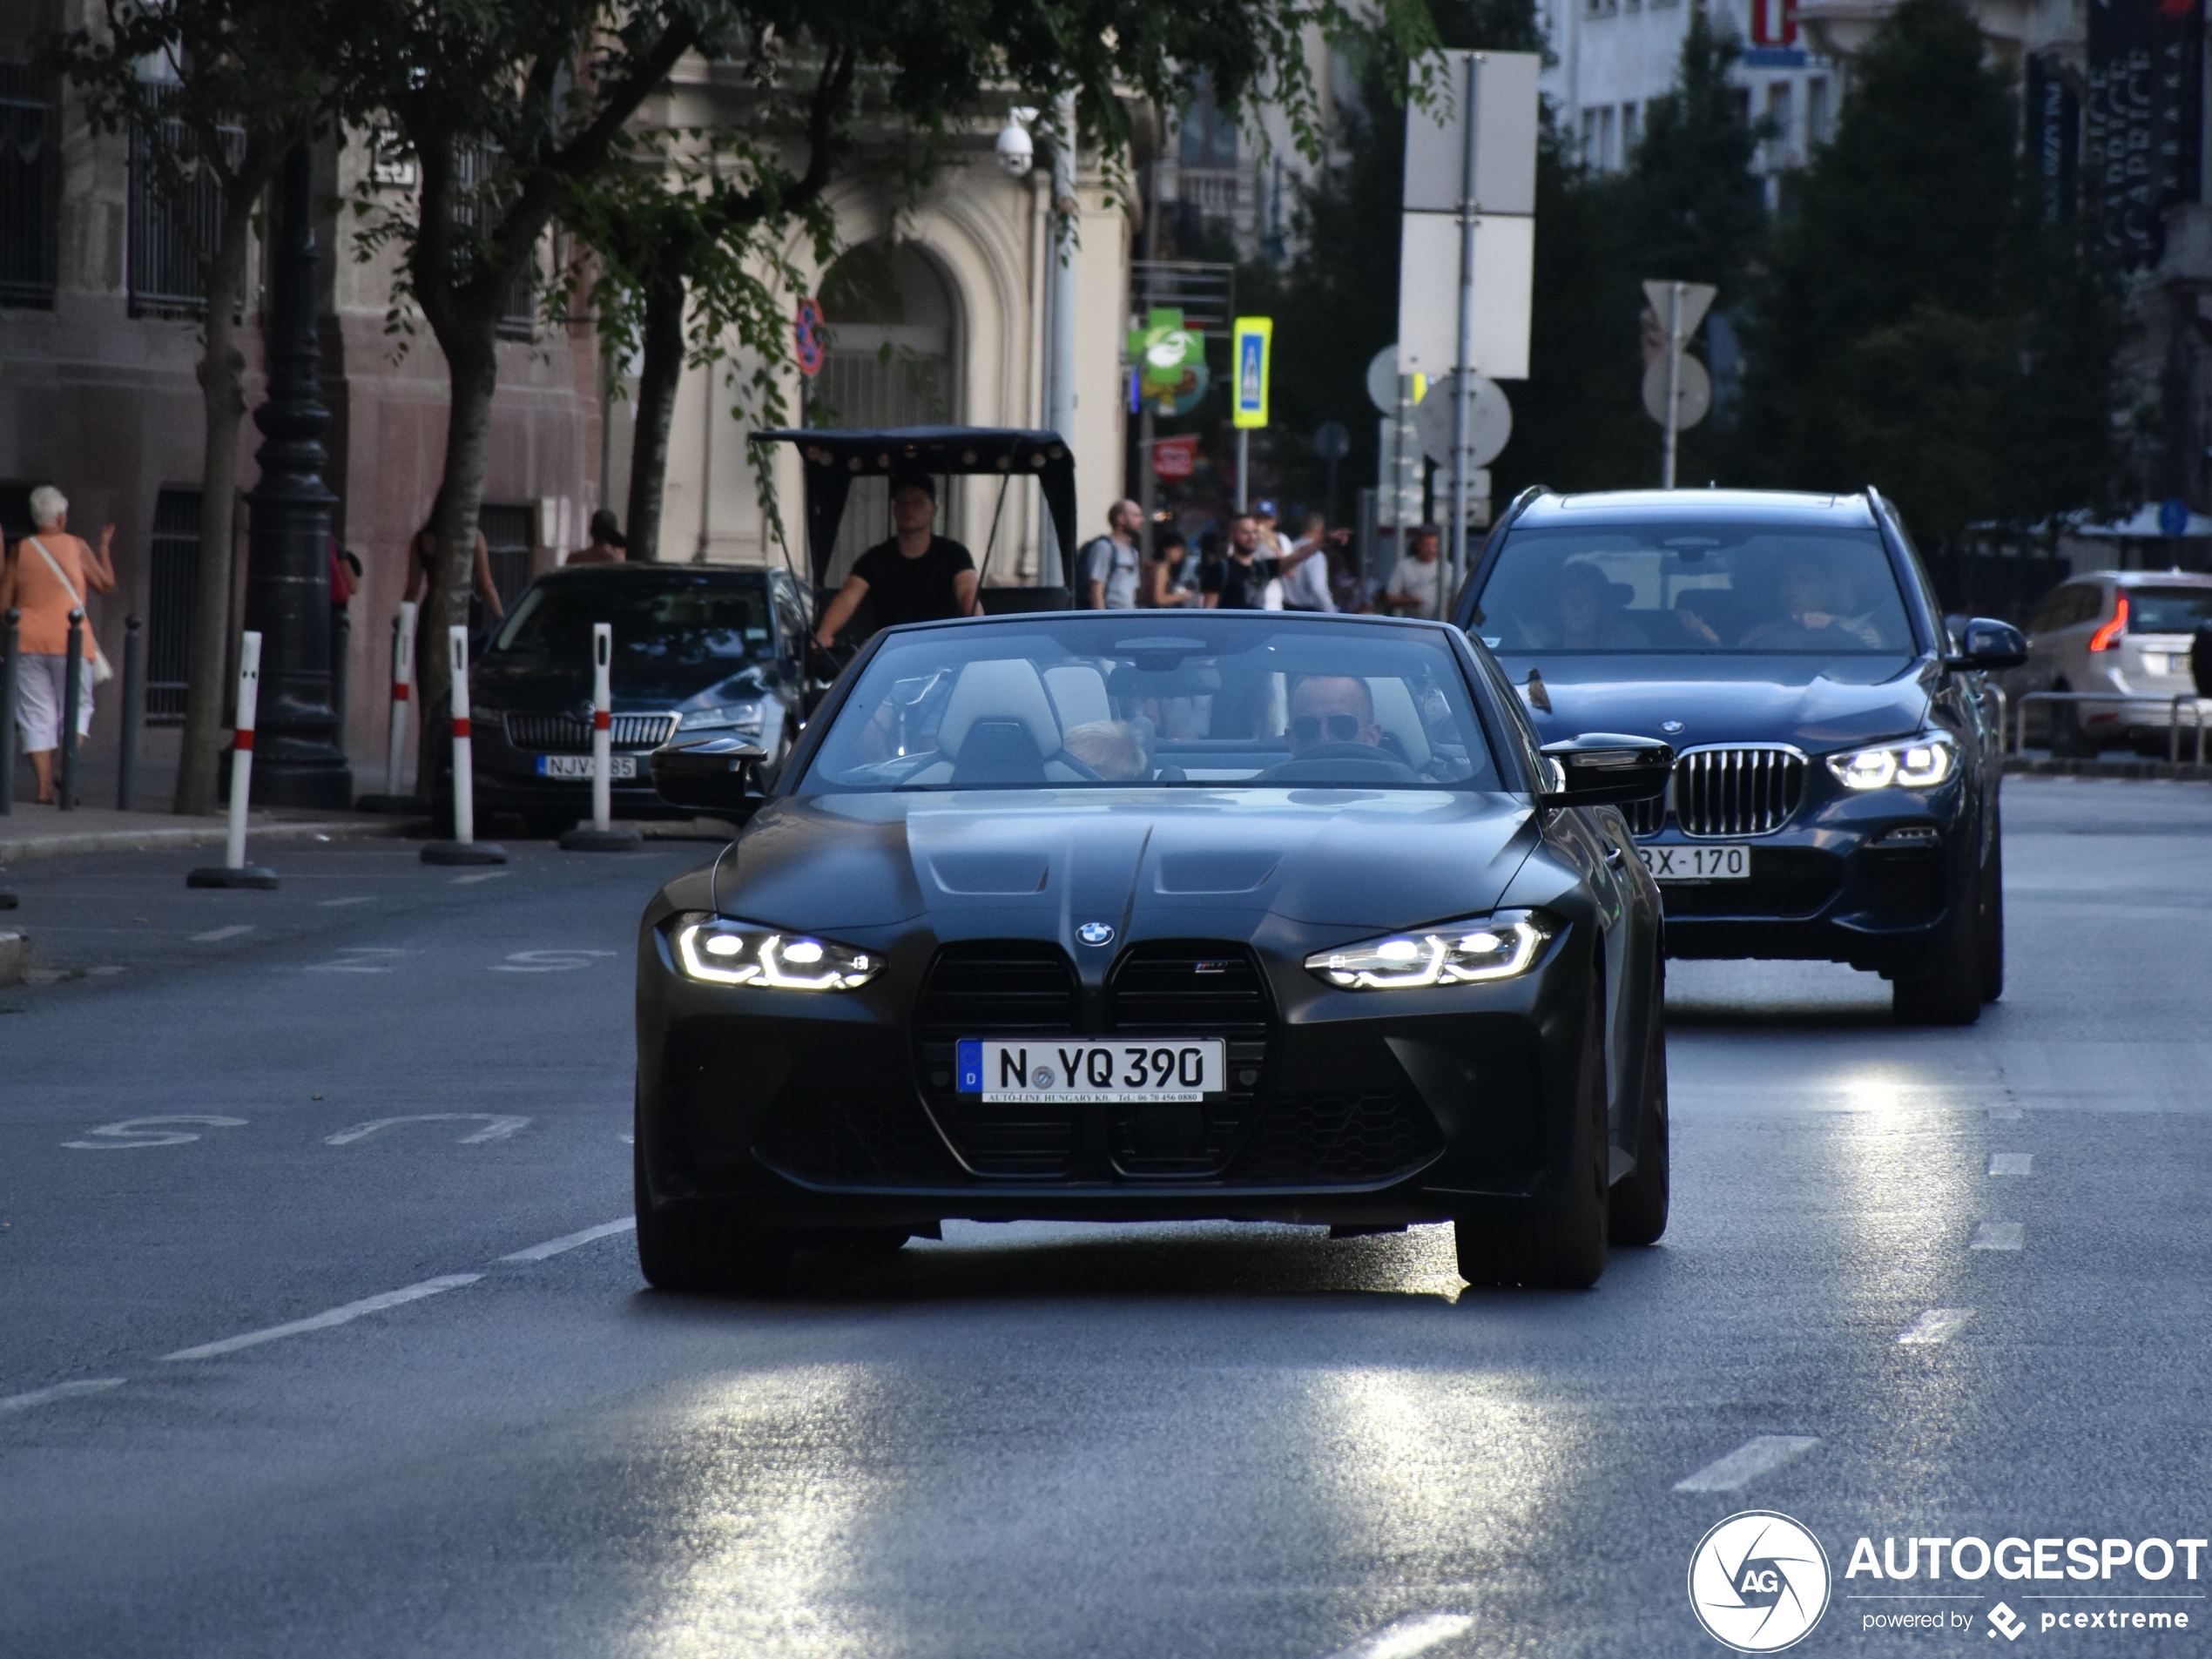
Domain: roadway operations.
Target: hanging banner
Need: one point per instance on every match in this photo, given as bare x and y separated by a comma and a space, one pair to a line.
2054, 134
2142, 119
1175, 459
1255, 339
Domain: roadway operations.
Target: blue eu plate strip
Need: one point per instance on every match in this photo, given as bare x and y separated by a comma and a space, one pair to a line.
971, 1067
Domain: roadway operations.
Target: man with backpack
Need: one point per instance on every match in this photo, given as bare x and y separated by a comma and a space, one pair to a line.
1112, 563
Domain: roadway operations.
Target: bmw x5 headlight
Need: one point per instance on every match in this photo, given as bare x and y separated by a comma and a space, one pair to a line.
736, 952
1485, 948
1921, 764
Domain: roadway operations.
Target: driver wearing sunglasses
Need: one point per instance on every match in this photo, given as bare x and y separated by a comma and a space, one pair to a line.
1329, 709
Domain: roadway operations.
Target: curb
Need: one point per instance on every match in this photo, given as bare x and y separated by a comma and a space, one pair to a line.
23, 848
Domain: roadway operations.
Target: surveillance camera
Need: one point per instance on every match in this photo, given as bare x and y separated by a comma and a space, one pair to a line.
1015, 151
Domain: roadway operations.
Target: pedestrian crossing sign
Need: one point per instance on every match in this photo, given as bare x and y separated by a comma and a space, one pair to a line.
1255, 339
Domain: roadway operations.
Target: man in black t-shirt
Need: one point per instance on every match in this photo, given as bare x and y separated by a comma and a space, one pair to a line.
917, 576
1239, 581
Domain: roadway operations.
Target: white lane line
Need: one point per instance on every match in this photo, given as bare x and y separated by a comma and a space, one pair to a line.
2011, 1162
216, 936
325, 1320
2004, 1113
333, 904
1747, 1462
1401, 1638
484, 875
59, 1390
1937, 1324
2001, 1235
572, 1240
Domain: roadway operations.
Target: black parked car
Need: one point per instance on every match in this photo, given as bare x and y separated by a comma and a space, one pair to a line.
1154, 915
697, 649
1835, 792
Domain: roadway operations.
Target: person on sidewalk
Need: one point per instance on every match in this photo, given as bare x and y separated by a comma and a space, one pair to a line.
46, 577
608, 546
1416, 585
916, 576
483, 597
1110, 563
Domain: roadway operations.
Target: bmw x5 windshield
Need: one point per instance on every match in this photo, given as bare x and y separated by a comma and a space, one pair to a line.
1181, 700
1679, 587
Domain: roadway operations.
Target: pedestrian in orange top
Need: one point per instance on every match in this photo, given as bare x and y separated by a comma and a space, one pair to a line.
46, 577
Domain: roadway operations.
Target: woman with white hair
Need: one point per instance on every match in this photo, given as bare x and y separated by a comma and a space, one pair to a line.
46, 577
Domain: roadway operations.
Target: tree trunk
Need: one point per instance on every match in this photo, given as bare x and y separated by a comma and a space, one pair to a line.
473, 365
222, 391
661, 373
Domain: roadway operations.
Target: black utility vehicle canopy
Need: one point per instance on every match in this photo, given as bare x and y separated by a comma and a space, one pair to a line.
835, 455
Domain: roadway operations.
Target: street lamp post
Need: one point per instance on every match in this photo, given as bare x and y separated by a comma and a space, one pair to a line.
298, 759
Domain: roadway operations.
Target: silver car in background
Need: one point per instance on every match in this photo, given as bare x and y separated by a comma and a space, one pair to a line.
2126, 631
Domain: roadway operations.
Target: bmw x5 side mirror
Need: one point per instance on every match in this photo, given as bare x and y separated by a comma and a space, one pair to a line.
1985, 643
1606, 769
717, 776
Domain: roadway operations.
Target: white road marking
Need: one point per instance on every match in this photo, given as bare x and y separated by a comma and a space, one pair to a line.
482, 875
1747, 1462
2004, 1113
325, 1320
333, 904
1417, 1633
148, 1131
1937, 1324
1999, 1235
59, 1390
627, 1138
497, 1126
216, 934
547, 961
2011, 1162
358, 958
570, 1241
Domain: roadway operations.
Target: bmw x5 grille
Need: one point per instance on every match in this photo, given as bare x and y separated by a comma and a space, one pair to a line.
1647, 816
569, 734
1748, 790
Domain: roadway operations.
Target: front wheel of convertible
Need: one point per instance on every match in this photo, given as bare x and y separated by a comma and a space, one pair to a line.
1556, 1241
1639, 1208
702, 1247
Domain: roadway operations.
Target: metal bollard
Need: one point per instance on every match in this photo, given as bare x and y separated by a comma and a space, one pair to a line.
134, 679
10, 739
235, 871
601, 836
464, 848
392, 800
72, 700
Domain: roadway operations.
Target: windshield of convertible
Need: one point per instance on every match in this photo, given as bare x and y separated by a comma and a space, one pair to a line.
661, 620
1185, 701
1686, 587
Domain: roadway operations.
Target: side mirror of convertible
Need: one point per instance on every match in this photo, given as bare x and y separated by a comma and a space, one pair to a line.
717, 776
1605, 769
1987, 644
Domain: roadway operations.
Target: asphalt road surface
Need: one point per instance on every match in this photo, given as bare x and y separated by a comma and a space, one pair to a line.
408, 1087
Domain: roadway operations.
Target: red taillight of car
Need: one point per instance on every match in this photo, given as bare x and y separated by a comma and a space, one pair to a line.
2109, 636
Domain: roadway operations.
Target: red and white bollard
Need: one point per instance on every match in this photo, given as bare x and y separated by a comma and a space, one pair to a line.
392, 801
235, 871
464, 848
602, 836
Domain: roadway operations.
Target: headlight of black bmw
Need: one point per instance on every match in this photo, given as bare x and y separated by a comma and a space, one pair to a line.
1919, 762
717, 952
1496, 947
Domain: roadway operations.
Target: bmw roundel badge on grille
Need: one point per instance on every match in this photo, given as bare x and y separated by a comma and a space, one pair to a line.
1096, 932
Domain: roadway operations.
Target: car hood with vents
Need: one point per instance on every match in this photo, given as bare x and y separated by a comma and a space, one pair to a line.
1148, 863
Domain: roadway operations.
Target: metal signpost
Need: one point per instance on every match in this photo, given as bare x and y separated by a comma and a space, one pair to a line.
1677, 391
1255, 341
1470, 201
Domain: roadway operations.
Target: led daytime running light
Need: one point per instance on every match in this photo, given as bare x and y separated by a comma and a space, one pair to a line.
1921, 764
721, 953
1486, 947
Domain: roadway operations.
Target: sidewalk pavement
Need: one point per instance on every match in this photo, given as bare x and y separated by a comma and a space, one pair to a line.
30, 831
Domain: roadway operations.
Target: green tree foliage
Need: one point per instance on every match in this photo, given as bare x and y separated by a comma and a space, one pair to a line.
1920, 328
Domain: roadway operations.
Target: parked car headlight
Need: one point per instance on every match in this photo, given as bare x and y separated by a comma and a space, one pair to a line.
735, 953
1921, 764
747, 718
1483, 947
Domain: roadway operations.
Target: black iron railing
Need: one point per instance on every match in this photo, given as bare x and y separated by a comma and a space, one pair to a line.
30, 187
174, 226
175, 574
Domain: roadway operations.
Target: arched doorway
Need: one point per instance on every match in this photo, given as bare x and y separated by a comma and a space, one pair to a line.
889, 362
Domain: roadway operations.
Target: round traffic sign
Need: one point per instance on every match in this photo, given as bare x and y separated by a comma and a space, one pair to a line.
1693, 392
1331, 441
806, 337
1489, 420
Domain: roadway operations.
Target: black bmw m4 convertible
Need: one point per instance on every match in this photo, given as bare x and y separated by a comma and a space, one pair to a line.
1157, 915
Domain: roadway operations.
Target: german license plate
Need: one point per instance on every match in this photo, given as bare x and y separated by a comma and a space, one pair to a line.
1696, 863
1127, 1071
580, 766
